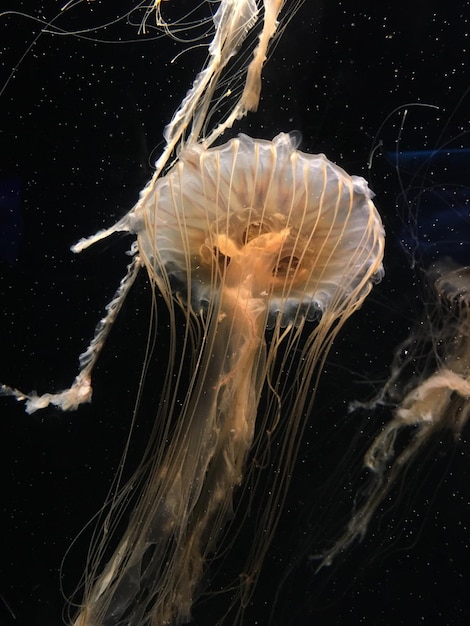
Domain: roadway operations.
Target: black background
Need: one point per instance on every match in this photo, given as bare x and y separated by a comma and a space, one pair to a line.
81, 122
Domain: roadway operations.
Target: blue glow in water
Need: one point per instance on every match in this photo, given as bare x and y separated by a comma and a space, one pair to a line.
436, 188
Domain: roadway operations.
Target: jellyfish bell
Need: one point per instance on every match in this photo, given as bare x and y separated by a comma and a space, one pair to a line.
266, 215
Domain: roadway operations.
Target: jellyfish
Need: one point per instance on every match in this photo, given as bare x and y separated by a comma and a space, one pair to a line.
260, 253
246, 236
427, 390
429, 387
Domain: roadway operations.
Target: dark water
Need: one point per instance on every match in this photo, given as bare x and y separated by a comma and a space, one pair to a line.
80, 125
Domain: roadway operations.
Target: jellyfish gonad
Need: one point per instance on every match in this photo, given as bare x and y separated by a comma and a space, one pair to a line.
241, 237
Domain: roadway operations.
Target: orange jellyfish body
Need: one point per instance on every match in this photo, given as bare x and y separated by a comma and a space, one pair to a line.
243, 236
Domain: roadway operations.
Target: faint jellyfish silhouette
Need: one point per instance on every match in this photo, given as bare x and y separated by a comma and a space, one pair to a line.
429, 397
429, 384
243, 237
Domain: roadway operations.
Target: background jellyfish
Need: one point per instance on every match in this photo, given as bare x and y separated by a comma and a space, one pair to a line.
48, 497
429, 390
